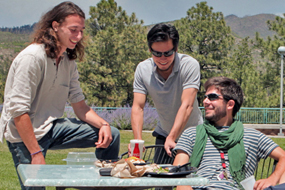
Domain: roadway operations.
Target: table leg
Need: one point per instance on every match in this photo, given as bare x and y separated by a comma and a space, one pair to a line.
60, 188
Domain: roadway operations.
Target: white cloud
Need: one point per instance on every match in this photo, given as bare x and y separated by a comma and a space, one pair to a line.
280, 14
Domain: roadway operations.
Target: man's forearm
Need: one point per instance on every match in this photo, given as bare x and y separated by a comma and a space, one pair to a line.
181, 119
187, 101
137, 122
279, 170
86, 114
25, 129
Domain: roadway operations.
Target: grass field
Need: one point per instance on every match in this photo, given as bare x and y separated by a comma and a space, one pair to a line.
8, 176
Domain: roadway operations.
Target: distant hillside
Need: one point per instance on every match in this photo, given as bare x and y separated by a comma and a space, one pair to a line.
11, 44
26, 29
249, 25
242, 27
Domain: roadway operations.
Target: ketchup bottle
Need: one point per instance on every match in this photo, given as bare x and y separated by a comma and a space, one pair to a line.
136, 152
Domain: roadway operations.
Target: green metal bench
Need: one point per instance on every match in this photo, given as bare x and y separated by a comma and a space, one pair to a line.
265, 168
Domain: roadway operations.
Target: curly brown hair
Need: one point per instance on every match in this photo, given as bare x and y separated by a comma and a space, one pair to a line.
45, 34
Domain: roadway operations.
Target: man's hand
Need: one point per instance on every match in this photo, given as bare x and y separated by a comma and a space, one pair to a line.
86, 114
277, 154
169, 145
38, 159
104, 137
184, 188
263, 183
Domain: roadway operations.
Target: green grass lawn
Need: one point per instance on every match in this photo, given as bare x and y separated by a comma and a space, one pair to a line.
8, 176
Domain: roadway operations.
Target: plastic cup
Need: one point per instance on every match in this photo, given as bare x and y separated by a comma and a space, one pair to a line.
248, 183
137, 148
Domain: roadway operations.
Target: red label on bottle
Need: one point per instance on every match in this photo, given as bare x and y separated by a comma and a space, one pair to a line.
136, 152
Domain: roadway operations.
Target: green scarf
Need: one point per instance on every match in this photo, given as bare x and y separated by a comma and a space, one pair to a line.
231, 140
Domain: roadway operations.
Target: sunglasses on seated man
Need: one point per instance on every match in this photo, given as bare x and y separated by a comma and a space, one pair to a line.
214, 96
159, 54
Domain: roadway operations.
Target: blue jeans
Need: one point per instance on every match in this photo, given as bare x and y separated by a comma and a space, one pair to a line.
66, 133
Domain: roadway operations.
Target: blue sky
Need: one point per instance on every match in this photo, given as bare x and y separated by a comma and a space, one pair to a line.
23, 12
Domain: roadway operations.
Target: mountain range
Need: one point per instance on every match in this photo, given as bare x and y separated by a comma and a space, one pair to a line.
249, 25
241, 26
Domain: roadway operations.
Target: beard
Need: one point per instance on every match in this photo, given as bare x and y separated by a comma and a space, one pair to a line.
218, 114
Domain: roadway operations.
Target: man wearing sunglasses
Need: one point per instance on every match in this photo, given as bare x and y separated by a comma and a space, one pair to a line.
172, 80
221, 148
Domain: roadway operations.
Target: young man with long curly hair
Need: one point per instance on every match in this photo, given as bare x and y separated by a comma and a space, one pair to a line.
42, 78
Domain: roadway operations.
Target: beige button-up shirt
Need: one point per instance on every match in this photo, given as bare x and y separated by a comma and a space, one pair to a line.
35, 85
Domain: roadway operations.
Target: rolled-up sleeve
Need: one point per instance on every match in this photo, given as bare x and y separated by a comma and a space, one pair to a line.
191, 72
75, 91
138, 85
24, 88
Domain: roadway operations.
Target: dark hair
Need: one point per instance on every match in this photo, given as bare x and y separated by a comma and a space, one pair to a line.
44, 33
161, 33
229, 89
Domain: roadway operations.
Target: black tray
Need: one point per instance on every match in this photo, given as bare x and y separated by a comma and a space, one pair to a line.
139, 164
109, 161
183, 173
105, 171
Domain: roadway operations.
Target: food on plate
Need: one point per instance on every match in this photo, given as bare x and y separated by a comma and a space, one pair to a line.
135, 160
161, 170
105, 163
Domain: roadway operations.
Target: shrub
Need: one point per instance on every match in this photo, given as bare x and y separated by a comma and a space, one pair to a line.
121, 117
150, 117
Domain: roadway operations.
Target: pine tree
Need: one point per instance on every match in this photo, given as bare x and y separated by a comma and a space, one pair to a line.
205, 36
268, 50
116, 44
248, 73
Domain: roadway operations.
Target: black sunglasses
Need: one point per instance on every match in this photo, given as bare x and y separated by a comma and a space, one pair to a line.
212, 96
159, 54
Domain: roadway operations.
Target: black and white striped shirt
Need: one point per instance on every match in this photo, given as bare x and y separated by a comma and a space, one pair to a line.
257, 146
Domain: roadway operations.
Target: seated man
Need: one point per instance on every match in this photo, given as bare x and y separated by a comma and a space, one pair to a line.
222, 149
